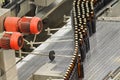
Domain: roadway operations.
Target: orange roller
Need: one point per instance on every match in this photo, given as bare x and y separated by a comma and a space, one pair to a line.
11, 24
36, 25
11, 41
24, 24
16, 41
32, 25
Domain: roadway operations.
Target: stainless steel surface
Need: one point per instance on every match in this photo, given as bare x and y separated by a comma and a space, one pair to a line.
47, 10
43, 2
106, 9
32, 63
109, 18
112, 11
54, 14
103, 57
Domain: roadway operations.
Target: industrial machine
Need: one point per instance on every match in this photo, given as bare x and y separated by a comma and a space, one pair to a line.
59, 40
24, 25
11, 41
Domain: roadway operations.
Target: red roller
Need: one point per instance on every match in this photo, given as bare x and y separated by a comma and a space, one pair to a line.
31, 25
11, 24
11, 41
24, 25
36, 25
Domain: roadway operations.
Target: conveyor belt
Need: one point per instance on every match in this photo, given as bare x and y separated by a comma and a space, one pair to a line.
99, 61
103, 57
32, 63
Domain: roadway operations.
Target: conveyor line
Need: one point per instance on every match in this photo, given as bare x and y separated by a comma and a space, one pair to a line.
32, 63
103, 57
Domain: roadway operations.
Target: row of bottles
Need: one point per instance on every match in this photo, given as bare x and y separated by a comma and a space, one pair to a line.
84, 25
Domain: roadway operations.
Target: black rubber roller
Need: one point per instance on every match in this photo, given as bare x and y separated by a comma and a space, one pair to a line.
52, 55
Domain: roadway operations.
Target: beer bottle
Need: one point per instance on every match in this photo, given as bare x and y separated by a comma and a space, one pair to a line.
93, 18
86, 40
82, 48
88, 22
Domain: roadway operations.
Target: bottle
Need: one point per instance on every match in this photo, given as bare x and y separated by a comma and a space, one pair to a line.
86, 39
82, 48
88, 22
79, 66
93, 18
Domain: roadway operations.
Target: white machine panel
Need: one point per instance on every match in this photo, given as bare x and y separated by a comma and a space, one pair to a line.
43, 2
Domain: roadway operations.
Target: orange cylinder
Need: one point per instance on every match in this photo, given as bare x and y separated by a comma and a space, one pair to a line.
32, 25
36, 25
16, 41
24, 24
11, 41
11, 24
